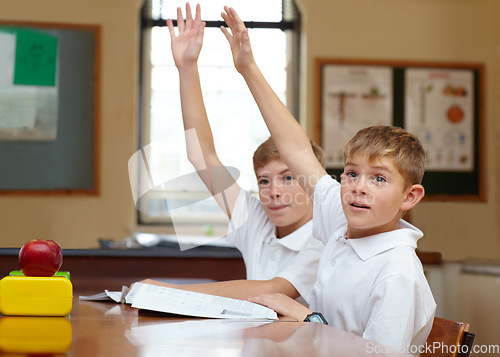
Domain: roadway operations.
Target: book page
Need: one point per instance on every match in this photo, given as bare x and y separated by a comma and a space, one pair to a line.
107, 295
175, 301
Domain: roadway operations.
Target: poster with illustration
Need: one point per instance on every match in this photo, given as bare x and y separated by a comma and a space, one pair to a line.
353, 97
439, 109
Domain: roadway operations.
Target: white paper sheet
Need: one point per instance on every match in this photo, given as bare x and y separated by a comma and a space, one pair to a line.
107, 295
7, 58
175, 301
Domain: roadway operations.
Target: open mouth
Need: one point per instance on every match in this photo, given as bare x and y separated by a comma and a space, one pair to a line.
358, 205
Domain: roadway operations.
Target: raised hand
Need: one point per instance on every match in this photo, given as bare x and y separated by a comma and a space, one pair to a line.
186, 46
238, 40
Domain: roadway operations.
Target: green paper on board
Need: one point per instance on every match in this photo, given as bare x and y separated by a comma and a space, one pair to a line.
36, 58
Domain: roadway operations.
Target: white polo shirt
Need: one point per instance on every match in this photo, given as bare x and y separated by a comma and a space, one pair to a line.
294, 257
374, 286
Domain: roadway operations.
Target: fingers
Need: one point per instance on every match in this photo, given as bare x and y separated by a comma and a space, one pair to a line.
170, 26
198, 13
180, 20
201, 28
226, 18
226, 33
233, 20
188, 23
189, 16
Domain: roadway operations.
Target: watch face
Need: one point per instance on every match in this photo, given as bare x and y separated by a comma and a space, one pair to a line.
316, 317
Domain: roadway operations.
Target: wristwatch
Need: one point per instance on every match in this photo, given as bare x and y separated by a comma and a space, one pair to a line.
316, 317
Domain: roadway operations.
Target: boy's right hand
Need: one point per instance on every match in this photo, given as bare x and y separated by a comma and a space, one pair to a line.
186, 46
283, 305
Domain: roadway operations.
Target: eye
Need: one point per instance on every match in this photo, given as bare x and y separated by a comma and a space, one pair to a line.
351, 174
288, 178
263, 182
379, 179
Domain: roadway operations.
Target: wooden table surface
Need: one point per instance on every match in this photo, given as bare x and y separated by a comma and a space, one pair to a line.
96, 329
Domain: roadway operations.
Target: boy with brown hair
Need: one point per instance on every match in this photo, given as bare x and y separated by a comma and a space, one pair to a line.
370, 281
274, 232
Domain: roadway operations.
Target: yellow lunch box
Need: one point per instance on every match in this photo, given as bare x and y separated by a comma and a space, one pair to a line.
36, 296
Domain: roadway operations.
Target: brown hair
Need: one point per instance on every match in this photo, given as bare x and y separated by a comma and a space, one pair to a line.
267, 151
388, 141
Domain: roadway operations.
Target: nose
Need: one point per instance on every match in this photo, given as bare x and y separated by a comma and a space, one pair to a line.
359, 185
275, 190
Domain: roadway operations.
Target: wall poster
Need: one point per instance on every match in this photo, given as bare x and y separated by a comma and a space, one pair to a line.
442, 103
353, 97
439, 109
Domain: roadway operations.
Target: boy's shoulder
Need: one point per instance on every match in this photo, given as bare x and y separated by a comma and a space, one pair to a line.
326, 186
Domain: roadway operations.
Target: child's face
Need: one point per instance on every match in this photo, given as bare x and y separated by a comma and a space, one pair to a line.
283, 199
372, 195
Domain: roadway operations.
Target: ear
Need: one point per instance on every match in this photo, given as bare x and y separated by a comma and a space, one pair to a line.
413, 196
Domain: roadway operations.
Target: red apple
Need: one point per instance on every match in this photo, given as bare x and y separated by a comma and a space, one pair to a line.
40, 257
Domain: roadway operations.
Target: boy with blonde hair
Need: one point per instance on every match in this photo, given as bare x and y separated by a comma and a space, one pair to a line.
273, 233
370, 281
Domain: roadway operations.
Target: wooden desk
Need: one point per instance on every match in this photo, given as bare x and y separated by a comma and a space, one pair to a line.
98, 329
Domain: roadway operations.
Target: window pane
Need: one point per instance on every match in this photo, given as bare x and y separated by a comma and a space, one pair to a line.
237, 126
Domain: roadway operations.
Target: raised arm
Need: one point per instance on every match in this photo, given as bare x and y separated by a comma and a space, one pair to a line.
291, 140
186, 47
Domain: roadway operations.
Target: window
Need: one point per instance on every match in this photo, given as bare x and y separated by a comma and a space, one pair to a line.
175, 195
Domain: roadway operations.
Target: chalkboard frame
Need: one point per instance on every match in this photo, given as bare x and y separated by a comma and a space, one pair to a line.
436, 183
86, 127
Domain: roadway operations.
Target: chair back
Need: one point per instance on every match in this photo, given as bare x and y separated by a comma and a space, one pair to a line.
448, 339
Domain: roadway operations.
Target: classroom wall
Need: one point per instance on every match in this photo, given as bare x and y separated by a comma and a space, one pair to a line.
78, 221
427, 30
420, 30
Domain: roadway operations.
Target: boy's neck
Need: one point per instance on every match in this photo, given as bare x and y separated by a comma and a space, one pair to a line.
353, 233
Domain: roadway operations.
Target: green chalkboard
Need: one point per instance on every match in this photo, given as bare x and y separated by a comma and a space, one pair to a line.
66, 161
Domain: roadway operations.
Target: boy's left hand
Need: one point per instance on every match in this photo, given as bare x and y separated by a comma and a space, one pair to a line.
238, 41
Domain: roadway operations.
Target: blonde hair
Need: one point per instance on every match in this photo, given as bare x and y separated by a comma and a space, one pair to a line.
268, 151
388, 141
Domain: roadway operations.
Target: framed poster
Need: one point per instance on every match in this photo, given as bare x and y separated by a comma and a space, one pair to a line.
353, 97
439, 109
441, 103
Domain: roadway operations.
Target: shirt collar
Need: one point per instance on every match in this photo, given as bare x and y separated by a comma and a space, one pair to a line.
296, 240
406, 235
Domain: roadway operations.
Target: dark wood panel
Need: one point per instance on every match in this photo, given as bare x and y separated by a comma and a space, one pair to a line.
89, 273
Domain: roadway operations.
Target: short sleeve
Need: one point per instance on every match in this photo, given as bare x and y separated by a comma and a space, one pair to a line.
398, 314
304, 269
328, 215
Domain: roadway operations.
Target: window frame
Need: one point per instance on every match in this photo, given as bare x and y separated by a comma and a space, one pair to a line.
290, 24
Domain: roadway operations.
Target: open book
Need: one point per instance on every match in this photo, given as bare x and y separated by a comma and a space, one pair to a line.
187, 303
181, 302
